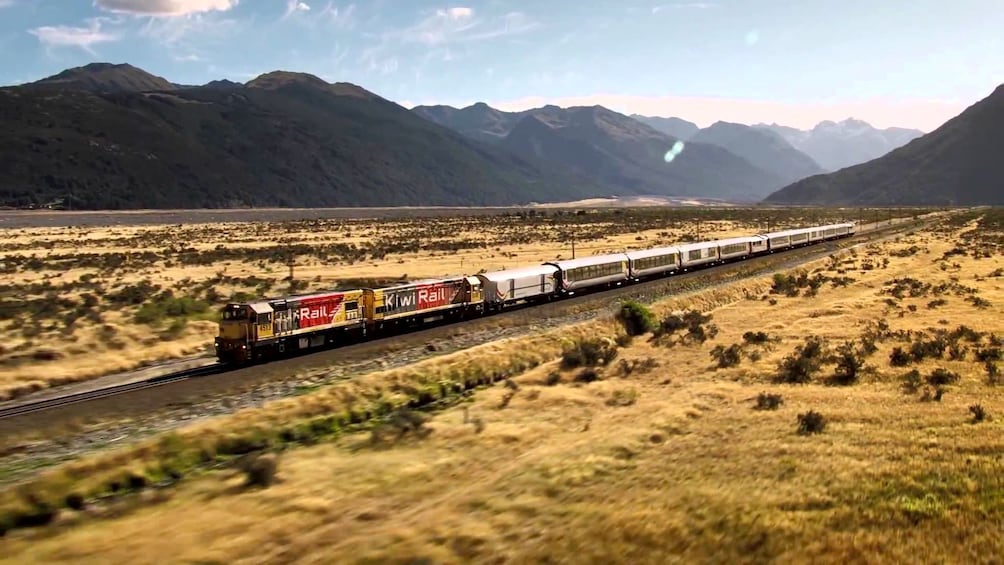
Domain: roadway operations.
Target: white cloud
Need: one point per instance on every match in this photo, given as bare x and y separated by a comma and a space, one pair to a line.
684, 5
293, 6
459, 13
69, 36
6, 3
165, 7
923, 114
191, 58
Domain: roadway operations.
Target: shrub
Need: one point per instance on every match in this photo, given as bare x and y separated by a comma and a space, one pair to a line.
756, 338
726, 356
941, 376
898, 357
993, 372
911, 382
636, 318
979, 413
588, 352
811, 422
553, 378
849, 363
587, 375
261, 471
799, 367
768, 401
75, 501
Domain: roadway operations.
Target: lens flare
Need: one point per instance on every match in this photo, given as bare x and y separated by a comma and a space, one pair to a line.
674, 151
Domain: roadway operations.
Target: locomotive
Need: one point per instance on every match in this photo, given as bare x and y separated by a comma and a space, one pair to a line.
268, 328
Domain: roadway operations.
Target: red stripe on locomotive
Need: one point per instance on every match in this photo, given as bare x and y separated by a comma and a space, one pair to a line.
436, 294
318, 310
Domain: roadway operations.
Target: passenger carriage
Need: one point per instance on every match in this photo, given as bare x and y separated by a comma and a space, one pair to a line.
697, 254
650, 262
586, 272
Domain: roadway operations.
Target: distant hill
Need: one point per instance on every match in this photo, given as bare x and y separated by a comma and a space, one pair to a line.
673, 127
631, 157
478, 121
837, 145
116, 137
105, 77
957, 164
764, 148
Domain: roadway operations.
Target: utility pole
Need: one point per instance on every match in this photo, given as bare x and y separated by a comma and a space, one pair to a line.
573, 245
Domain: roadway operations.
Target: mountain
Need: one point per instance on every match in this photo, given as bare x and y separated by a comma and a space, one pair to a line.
478, 121
957, 164
631, 157
673, 127
283, 139
764, 148
837, 145
104, 77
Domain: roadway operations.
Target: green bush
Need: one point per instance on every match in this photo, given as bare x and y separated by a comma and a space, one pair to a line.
636, 318
800, 366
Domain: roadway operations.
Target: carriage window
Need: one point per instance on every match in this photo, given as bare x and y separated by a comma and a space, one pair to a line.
352, 305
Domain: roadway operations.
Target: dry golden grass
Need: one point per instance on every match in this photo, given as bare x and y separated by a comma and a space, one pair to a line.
56, 337
38, 353
662, 465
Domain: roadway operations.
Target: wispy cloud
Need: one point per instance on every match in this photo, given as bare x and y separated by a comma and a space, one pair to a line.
69, 36
173, 32
165, 7
684, 5
6, 3
190, 58
294, 6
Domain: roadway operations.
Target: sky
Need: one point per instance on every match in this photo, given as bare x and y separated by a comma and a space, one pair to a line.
906, 63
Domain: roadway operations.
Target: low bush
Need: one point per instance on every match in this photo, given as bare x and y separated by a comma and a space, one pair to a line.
849, 363
800, 366
261, 471
979, 413
636, 318
725, 357
940, 377
768, 401
811, 422
588, 352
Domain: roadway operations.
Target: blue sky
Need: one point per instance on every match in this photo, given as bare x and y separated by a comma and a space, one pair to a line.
912, 63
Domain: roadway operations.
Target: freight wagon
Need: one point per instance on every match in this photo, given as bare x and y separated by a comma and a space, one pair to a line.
529, 284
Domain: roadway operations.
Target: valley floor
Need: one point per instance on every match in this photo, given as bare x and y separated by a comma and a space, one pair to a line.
660, 455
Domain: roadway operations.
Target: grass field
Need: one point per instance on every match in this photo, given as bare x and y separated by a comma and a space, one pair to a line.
79, 302
849, 411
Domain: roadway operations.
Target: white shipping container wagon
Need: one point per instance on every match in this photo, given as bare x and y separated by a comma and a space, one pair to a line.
694, 254
645, 262
591, 271
526, 283
735, 247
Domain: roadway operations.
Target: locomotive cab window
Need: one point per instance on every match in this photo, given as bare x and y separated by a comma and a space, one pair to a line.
354, 305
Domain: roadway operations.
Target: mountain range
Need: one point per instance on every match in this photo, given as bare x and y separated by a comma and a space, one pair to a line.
624, 154
958, 164
98, 136
837, 145
114, 136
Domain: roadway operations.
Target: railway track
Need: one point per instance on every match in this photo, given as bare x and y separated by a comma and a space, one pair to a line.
50, 403
29, 408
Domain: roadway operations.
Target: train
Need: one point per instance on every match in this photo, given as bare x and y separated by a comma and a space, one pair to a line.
260, 330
